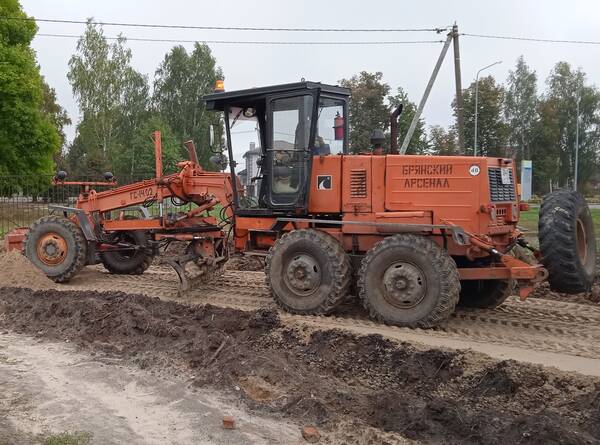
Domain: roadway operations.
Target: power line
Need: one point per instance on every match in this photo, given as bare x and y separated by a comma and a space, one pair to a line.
248, 28
531, 39
230, 28
254, 42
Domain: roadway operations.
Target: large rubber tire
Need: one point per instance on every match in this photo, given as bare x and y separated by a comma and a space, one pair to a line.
61, 263
408, 280
567, 242
124, 263
487, 294
308, 272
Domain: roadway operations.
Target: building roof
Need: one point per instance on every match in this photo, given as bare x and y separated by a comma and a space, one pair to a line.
255, 151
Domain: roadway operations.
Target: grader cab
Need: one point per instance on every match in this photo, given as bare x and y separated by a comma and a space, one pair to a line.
413, 236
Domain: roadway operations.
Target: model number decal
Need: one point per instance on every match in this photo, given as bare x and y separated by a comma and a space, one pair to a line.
142, 194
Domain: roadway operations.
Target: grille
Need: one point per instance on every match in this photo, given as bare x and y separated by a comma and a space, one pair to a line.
501, 192
358, 183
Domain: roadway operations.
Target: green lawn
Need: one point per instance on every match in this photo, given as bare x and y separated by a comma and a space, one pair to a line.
529, 220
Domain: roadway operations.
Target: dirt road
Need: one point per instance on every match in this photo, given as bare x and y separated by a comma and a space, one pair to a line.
50, 388
560, 334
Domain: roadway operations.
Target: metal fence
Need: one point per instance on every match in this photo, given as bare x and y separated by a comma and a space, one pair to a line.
23, 199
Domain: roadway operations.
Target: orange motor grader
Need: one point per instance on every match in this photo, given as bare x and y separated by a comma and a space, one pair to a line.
412, 236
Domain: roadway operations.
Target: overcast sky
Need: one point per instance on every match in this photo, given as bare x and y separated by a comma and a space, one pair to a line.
408, 66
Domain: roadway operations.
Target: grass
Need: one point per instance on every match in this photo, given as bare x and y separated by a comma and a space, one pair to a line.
68, 438
529, 220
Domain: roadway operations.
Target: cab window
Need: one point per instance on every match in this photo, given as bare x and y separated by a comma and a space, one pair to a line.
331, 116
291, 125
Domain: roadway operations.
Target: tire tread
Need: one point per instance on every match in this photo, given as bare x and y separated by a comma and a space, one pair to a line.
337, 258
558, 244
80, 246
444, 264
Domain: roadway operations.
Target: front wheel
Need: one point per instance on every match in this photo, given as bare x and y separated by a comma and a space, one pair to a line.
56, 246
408, 280
308, 272
567, 242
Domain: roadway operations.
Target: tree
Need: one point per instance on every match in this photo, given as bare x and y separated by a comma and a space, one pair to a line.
554, 141
367, 108
443, 142
418, 143
520, 107
180, 82
492, 131
112, 97
57, 115
544, 149
28, 136
137, 159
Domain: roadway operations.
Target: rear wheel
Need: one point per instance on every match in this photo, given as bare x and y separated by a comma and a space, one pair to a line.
308, 272
567, 242
408, 280
484, 293
56, 246
128, 262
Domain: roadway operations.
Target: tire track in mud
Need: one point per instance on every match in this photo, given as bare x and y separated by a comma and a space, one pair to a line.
538, 325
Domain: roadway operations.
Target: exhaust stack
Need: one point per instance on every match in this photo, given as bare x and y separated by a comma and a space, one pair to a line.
394, 129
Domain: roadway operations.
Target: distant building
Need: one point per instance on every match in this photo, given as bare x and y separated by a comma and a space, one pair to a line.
252, 170
243, 175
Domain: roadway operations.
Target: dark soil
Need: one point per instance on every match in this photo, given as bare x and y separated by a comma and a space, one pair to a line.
327, 377
593, 297
249, 263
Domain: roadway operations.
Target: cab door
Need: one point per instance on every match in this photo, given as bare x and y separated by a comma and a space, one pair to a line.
291, 130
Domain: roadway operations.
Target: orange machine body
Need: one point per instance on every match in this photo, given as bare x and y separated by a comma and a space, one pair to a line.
433, 191
369, 196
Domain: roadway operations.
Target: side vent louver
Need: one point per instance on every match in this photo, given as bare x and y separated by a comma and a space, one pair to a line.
358, 183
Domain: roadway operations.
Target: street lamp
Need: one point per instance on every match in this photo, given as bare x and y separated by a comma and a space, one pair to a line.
577, 143
477, 101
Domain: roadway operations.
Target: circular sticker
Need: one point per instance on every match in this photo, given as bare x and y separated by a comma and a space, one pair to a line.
474, 170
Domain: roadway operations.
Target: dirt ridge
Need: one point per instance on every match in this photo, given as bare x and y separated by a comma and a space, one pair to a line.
539, 325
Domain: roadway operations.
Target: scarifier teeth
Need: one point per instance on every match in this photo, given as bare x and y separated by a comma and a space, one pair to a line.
196, 274
192, 273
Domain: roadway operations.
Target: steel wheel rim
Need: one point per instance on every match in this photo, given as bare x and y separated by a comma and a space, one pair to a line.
52, 249
302, 274
581, 239
404, 285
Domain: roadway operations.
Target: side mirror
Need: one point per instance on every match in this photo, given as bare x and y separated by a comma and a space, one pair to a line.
211, 135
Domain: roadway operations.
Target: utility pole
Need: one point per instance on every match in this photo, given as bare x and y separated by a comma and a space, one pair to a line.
577, 144
417, 115
460, 119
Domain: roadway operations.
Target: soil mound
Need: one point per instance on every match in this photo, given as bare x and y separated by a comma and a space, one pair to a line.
326, 378
16, 270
